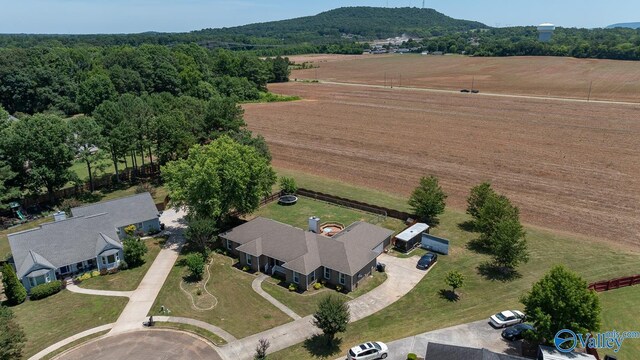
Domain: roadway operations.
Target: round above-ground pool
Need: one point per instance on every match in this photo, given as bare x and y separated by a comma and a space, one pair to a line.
288, 200
331, 228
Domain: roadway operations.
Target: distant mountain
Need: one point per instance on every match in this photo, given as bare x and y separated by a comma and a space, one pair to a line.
632, 25
366, 22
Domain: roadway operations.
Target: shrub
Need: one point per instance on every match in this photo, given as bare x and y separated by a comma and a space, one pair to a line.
130, 230
199, 292
293, 287
288, 185
246, 268
134, 251
317, 286
412, 356
68, 204
13, 288
146, 187
45, 290
338, 288
95, 273
195, 263
123, 265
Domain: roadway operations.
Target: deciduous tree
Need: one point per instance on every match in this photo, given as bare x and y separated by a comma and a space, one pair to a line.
219, 177
201, 232
196, 263
477, 197
332, 316
508, 244
454, 279
87, 141
134, 251
288, 185
12, 337
428, 200
561, 300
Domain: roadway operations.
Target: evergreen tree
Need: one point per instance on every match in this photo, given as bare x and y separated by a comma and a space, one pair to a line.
13, 288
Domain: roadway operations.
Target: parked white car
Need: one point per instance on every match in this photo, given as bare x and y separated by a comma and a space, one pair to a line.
507, 318
368, 351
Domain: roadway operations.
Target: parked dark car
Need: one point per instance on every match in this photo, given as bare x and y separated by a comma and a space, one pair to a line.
516, 332
464, 90
427, 260
475, 91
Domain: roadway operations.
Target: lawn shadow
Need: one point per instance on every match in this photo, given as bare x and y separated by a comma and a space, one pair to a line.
493, 272
468, 226
479, 246
449, 295
318, 346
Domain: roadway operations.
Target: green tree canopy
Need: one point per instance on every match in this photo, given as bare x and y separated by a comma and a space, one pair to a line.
477, 198
201, 232
8, 192
508, 244
134, 251
87, 141
12, 337
218, 178
13, 288
195, 262
454, 279
332, 316
561, 300
93, 91
496, 208
428, 200
288, 185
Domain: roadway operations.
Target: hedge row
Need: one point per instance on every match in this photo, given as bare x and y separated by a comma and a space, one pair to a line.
44, 290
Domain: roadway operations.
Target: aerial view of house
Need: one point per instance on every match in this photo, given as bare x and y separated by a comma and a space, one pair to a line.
305, 257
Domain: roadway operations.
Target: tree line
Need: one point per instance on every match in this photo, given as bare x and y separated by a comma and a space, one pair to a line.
72, 80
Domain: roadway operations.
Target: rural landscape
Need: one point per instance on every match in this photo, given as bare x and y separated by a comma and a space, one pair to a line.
364, 183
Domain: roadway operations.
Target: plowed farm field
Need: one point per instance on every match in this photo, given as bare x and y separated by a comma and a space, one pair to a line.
539, 76
570, 166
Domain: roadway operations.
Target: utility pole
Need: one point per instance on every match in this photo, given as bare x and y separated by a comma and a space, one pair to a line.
590, 86
385, 79
473, 81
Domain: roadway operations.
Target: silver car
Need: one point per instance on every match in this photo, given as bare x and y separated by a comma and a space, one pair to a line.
368, 351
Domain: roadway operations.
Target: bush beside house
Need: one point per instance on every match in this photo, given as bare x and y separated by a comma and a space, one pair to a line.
13, 288
45, 290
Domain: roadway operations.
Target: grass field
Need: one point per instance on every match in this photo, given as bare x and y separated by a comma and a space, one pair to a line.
80, 167
618, 315
126, 280
298, 214
569, 166
237, 302
523, 75
62, 315
480, 296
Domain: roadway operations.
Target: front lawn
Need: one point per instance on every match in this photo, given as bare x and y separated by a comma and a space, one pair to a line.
424, 308
298, 215
239, 309
57, 317
129, 279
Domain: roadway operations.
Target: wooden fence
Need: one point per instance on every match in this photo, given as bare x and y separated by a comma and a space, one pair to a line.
396, 214
615, 283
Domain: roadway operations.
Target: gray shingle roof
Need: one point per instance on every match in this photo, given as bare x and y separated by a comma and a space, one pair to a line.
63, 242
303, 251
437, 351
123, 211
35, 264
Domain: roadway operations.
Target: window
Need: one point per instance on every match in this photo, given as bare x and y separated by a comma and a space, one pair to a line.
248, 259
111, 259
312, 276
342, 278
229, 245
64, 269
104, 260
296, 277
327, 273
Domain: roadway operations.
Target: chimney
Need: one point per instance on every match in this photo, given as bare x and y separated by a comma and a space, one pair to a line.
314, 224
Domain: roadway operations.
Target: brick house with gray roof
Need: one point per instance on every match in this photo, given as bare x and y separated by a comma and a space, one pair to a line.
91, 239
304, 257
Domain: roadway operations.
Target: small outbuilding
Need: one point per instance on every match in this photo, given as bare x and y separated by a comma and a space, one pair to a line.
410, 237
551, 353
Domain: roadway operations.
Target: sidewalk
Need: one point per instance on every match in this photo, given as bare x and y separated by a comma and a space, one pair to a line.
201, 324
76, 289
257, 287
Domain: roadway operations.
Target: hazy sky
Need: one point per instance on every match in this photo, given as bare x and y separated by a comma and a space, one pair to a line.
126, 16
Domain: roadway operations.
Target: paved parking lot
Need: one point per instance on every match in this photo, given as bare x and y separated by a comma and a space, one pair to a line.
145, 345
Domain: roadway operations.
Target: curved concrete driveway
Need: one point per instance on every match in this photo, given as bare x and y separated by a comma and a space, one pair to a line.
402, 276
145, 345
79, 290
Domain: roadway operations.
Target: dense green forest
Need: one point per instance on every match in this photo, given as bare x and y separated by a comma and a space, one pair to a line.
618, 43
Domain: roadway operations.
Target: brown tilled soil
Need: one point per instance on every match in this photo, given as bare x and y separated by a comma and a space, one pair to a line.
540, 76
569, 166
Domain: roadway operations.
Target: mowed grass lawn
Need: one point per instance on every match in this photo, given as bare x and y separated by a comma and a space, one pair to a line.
423, 309
618, 315
307, 303
55, 318
298, 215
240, 310
129, 279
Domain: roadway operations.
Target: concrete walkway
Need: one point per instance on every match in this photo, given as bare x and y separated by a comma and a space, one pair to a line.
79, 290
257, 287
142, 299
201, 324
70, 339
402, 276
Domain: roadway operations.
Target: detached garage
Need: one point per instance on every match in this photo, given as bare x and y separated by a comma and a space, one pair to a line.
410, 237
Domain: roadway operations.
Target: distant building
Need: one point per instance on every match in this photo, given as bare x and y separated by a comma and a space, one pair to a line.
545, 31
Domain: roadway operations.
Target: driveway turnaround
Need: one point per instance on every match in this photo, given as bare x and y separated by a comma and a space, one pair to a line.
145, 345
402, 276
477, 334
